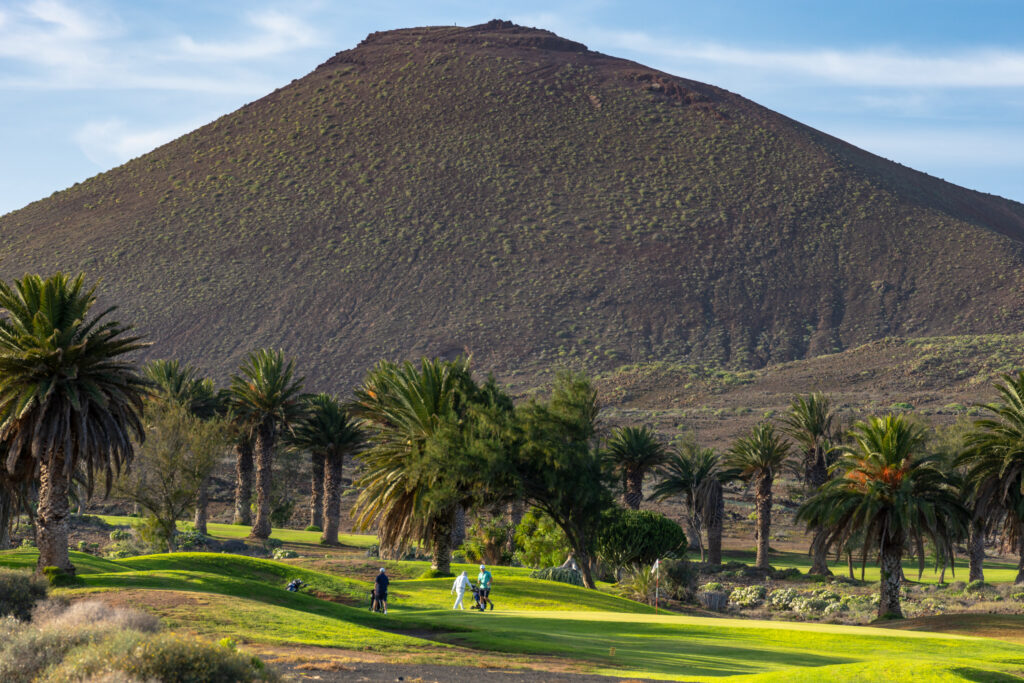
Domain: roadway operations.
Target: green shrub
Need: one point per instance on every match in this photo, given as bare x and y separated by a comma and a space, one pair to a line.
190, 539
313, 527
284, 554
149, 535
163, 657
711, 586
631, 537
539, 541
58, 577
679, 578
638, 584
560, 574
976, 587
1019, 597
19, 592
748, 596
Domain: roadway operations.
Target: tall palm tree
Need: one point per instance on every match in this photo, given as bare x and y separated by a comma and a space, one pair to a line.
894, 493
328, 435
697, 474
757, 458
68, 399
994, 462
809, 423
409, 486
632, 452
267, 396
183, 385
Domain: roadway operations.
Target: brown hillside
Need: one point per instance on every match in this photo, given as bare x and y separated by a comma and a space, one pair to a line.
502, 190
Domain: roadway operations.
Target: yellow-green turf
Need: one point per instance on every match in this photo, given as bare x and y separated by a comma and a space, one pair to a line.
310, 538
995, 572
227, 595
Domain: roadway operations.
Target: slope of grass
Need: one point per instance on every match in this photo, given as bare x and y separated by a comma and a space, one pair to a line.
244, 597
296, 536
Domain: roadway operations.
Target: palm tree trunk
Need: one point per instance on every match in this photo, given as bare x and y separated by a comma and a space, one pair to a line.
819, 553
516, 510
243, 486
201, 506
634, 489
891, 557
818, 475
264, 455
763, 503
6, 515
693, 535
976, 550
52, 520
459, 526
441, 542
715, 525
316, 493
332, 498
849, 564
1020, 565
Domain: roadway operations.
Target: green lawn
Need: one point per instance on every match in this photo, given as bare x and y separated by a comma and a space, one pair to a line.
296, 536
995, 572
217, 595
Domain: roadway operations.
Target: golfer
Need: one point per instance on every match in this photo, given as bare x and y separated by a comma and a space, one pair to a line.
380, 587
459, 588
483, 580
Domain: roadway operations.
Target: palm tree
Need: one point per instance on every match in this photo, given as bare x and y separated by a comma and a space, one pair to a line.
809, 423
697, 474
329, 435
267, 396
632, 452
757, 458
408, 486
994, 462
67, 397
184, 386
895, 494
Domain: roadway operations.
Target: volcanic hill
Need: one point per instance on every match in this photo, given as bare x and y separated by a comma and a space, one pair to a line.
501, 190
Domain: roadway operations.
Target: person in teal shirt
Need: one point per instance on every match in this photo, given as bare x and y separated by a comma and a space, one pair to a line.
483, 581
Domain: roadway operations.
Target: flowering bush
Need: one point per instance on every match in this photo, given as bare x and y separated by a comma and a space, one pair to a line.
748, 596
782, 599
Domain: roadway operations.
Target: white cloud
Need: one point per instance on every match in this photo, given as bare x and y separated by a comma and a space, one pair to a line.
50, 45
930, 146
989, 67
983, 68
278, 33
112, 142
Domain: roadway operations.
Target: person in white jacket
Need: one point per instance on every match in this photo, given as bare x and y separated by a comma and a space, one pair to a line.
459, 588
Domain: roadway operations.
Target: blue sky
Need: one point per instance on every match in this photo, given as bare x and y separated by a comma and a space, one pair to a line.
936, 85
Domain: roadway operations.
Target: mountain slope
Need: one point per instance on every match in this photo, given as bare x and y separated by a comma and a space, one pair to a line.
502, 190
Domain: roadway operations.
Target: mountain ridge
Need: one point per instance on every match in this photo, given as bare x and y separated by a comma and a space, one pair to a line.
507, 192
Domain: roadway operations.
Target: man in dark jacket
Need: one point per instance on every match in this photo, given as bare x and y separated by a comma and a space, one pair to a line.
380, 588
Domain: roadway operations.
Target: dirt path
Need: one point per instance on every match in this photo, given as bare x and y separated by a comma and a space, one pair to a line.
433, 673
